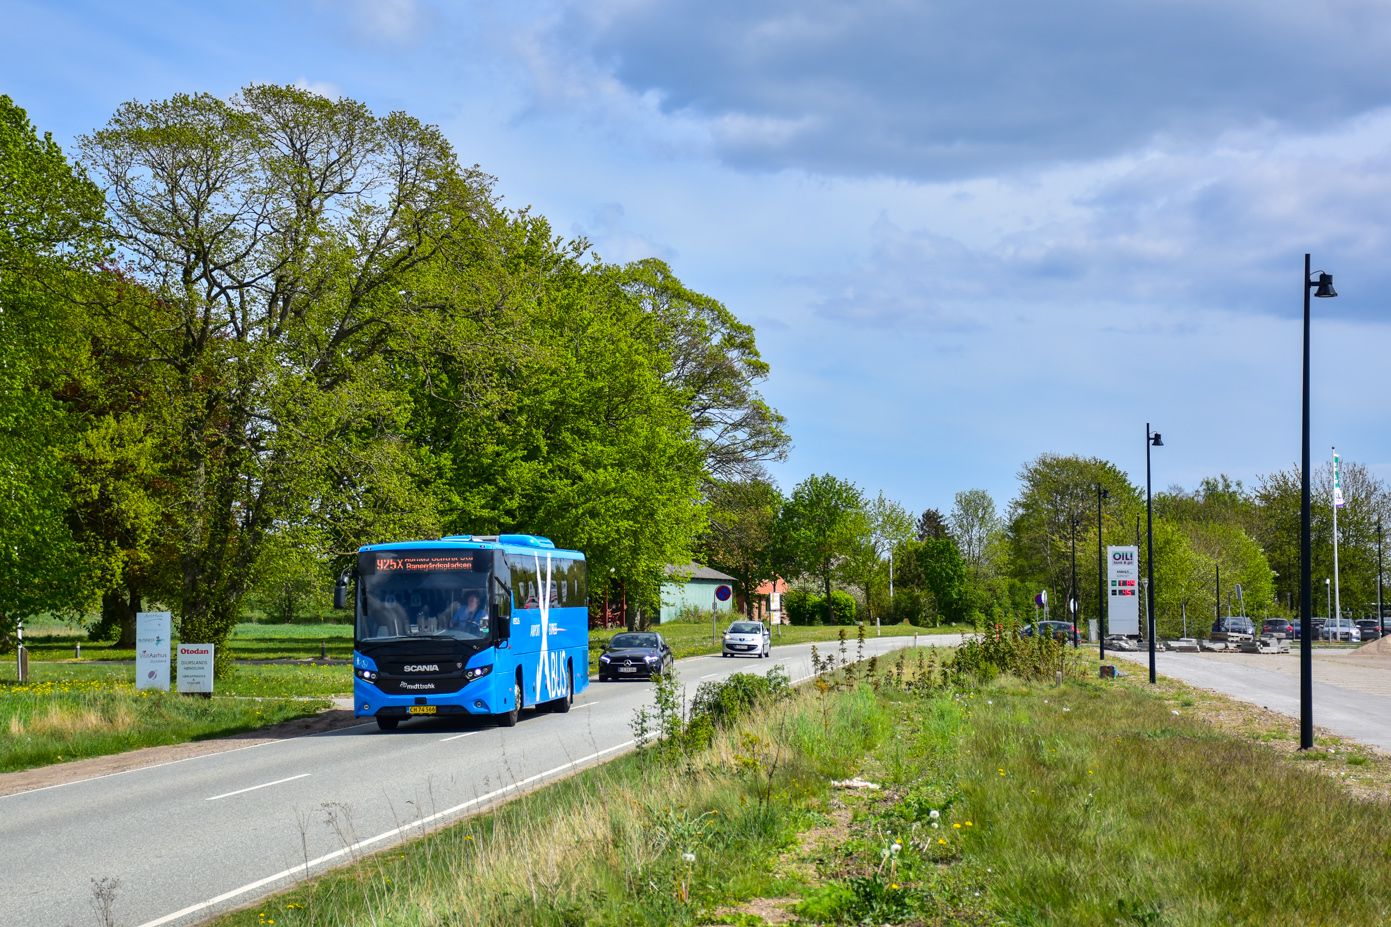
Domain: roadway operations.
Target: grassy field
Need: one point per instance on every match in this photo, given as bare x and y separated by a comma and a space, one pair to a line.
1000, 803
74, 712
249, 642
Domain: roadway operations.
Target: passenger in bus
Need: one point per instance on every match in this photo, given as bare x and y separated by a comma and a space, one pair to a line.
471, 616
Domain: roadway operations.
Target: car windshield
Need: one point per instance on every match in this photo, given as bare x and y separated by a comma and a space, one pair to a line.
745, 627
451, 605
633, 641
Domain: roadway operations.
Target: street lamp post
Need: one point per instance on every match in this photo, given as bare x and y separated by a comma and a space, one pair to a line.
1101, 495
1380, 622
1072, 593
1151, 440
1306, 589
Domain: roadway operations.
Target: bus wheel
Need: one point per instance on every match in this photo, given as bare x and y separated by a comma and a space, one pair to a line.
509, 718
386, 723
561, 705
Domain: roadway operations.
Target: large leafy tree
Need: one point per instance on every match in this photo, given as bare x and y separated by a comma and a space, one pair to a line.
1055, 491
564, 422
819, 528
49, 231
715, 368
269, 238
739, 533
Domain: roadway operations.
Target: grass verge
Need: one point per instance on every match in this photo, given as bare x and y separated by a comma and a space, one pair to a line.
1000, 802
61, 719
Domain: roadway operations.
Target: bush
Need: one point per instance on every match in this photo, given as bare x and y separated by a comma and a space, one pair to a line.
913, 606
842, 607
803, 608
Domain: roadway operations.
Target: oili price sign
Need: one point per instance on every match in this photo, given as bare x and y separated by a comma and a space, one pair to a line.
1123, 584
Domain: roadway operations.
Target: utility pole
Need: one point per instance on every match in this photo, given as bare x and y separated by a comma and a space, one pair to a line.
1101, 495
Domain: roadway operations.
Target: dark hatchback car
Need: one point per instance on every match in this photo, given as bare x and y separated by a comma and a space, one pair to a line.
1278, 628
635, 655
1058, 630
1371, 629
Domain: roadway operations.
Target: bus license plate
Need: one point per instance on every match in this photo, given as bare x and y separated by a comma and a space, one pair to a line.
421, 709
627, 669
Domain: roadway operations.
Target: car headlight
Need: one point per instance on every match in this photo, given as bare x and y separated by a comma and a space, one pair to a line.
603, 658
652, 658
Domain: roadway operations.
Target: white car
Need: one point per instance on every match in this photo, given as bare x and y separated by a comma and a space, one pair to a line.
747, 639
1340, 629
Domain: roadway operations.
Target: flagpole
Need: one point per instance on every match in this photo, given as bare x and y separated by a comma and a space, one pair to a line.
1337, 501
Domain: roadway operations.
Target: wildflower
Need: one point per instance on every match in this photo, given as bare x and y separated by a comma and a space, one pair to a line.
896, 849
934, 814
688, 857
968, 823
940, 840
934, 824
957, 826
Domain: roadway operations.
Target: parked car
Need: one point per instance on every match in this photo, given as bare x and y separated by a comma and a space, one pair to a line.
1340, 629
747, 639
1278, 628
1232, 624
643, 654
1064, 631
1371, 629
1316, 624
1294, 630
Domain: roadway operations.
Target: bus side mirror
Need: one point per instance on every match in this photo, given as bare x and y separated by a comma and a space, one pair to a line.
502, 612
340, 592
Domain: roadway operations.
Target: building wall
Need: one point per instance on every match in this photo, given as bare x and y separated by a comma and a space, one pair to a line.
697, 592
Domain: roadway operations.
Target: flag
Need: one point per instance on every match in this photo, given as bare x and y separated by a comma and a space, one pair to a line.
1337, 484
1041, 598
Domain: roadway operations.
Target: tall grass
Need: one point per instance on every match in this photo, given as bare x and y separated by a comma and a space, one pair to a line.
1101, 805
67, 719
636, 841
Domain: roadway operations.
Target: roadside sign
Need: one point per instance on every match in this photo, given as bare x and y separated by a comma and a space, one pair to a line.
1123, 584
723, 593
152, 630
196, 668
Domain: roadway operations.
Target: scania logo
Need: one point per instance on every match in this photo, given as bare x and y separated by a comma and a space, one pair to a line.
421, 668
416, 686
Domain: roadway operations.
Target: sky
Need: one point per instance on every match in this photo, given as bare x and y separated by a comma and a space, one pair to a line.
966, 233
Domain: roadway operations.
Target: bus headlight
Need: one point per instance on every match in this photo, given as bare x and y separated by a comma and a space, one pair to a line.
368, 675
478, 672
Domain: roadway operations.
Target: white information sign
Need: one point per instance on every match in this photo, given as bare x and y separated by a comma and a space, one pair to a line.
195, 667
152, 630
1123, 584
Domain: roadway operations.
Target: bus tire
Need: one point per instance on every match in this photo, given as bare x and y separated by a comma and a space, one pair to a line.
509, 718
562, 705
387, 723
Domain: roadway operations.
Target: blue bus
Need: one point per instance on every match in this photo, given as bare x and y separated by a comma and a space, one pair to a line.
476, 625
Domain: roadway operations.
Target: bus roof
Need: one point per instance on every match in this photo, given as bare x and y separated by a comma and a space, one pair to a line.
509, 542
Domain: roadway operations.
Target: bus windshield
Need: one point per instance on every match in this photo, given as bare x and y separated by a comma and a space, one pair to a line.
406, 599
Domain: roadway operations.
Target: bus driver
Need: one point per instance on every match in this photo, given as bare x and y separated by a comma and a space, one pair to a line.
471, 616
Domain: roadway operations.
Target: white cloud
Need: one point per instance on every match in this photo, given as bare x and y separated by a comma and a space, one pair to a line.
323, 88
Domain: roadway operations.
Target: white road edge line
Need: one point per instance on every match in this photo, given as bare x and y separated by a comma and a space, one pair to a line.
446, 740
394, 832
253, 788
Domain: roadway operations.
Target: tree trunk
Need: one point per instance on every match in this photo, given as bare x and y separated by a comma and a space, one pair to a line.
128, 609
830, 614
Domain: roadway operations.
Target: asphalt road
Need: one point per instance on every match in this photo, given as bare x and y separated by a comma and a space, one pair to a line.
1359, 715
191, 838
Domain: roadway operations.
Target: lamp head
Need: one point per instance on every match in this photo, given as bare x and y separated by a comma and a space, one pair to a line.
1106, 494
1155, 440
1325, 289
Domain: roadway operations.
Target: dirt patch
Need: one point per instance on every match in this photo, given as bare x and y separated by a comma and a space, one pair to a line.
772, 910
332, 719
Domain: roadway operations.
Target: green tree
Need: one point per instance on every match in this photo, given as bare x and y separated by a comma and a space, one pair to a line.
715, 368
818, 528
945, 575
1056, 490
739, 533
271, 236
49, 231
